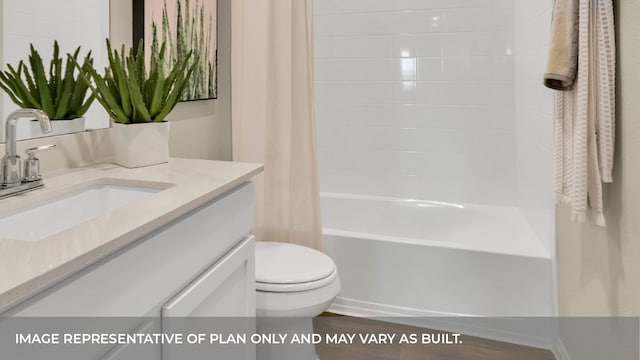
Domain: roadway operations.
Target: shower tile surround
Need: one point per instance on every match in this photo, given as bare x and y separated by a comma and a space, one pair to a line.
534, 118
415, 99
437, 100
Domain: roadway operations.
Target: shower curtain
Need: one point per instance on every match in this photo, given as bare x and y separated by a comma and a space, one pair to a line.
273, 115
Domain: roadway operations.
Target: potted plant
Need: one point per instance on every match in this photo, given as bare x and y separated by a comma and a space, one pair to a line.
138, 102
61, 95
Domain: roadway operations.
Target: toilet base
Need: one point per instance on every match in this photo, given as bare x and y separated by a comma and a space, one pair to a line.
286, 350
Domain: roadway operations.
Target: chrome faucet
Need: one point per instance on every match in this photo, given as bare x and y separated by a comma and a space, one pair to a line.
12, 180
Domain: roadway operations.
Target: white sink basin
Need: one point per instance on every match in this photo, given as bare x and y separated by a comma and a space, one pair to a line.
49, 217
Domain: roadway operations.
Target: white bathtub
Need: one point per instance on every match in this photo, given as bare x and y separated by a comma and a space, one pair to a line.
419, 258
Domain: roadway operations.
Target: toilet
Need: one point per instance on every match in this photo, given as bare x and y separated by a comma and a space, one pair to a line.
293, 284
293, 280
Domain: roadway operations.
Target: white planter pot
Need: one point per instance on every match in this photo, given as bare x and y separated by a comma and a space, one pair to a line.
137, 145
58, 127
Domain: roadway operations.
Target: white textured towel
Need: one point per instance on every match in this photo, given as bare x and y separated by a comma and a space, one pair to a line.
585, 116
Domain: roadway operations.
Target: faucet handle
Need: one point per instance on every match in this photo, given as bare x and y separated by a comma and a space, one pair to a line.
33, 150
32, 164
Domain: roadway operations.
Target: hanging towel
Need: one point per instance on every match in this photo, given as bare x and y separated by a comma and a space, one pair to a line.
606, 52
585, 116
563, 49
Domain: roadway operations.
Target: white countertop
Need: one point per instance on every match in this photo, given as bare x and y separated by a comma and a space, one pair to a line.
28, 266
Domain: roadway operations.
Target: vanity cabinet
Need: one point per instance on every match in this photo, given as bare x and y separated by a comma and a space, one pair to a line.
200, 265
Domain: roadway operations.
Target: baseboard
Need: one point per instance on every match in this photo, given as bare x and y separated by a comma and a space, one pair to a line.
499, 329
560, 351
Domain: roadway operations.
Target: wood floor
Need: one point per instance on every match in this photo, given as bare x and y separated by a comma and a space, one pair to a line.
469, 348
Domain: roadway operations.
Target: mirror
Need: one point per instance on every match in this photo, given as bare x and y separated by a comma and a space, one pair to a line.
72, 23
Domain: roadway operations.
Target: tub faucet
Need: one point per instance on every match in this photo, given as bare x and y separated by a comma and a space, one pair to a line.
12, 180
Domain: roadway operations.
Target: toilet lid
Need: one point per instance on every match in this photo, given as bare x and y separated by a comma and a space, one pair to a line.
288, 264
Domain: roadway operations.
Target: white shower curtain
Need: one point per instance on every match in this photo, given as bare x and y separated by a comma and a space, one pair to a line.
273, 115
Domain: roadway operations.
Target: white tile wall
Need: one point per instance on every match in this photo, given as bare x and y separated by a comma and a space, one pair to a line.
534, 117
415, 98
40, 22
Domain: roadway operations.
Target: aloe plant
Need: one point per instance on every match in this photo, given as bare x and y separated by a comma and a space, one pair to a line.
60, 96
131, 95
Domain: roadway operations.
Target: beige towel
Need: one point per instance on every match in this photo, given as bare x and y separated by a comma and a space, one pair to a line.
563, 49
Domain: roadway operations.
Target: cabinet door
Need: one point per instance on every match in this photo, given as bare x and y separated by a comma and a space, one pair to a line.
220, 301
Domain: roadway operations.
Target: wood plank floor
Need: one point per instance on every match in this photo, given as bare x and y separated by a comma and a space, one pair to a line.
470, 348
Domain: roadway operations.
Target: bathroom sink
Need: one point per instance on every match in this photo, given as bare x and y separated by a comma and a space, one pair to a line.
45, 218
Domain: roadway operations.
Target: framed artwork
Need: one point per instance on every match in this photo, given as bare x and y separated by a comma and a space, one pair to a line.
185, 26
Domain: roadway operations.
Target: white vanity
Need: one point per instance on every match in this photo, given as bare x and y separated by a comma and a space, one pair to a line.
180, 249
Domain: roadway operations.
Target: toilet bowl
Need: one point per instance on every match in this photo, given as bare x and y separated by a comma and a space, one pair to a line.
293, 280
293, 284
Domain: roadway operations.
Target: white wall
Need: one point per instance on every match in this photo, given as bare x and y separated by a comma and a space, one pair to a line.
534, 117
415, 99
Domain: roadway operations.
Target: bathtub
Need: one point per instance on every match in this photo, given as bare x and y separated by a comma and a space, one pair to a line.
401, 257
